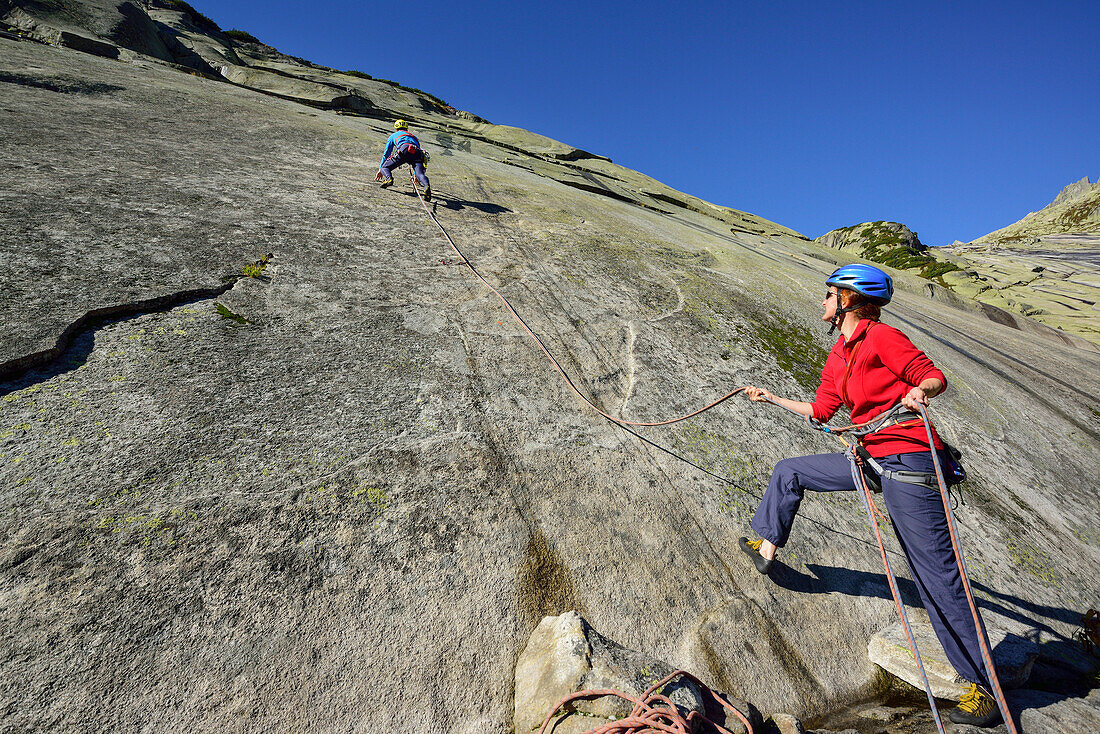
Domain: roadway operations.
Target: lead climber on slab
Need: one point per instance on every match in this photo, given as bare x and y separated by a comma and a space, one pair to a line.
403, 147
871, 368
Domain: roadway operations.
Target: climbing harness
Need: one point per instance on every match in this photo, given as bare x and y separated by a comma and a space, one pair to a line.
653, 712
643, 706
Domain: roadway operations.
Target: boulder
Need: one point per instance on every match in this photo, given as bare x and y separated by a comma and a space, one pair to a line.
1013, 655
565, 655
786, 724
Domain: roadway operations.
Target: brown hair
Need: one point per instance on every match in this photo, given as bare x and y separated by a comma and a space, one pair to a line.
866, 309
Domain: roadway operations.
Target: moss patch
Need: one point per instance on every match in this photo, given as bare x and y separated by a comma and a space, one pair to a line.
545, 586
225, 313
1033, 561
793, 349
242, 36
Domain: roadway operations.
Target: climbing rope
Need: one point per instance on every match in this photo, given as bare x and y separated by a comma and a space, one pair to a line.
860, 430
856, 429
872, 511
979, 626
653, 712
557, 365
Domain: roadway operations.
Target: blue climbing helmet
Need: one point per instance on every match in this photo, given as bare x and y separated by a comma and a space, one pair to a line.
875, 285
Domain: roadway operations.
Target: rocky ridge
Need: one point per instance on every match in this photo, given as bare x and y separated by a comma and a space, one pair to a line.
1052, 279
887, 243
275, 502
1076, 209
1045, 266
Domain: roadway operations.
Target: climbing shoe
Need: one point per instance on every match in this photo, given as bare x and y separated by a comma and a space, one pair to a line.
427, 193
387, 183
976, 708
752, 550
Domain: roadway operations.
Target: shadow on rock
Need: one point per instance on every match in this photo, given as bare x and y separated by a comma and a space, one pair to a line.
58, 83
826, 579
862, 583
1057, 614
482, 206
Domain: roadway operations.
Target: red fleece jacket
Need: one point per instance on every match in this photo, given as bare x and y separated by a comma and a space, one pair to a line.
870, 373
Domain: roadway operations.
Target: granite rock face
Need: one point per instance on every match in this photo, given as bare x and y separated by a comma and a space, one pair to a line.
1045, 266
342, 494
1050, 278
1076, 209
1040, 711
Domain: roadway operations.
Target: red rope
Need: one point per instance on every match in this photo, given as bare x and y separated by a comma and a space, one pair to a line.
652, 711
542, 346
655, 718
979, 627
895, 592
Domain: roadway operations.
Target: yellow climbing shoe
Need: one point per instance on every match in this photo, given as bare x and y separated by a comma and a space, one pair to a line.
976, 708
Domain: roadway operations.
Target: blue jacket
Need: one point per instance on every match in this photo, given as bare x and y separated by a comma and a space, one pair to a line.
399, 138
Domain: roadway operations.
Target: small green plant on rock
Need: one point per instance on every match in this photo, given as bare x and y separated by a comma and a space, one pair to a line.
225, 313
257, 268
374, 496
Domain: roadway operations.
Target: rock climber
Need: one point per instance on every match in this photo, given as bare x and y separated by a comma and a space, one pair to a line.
403, 147
870, 369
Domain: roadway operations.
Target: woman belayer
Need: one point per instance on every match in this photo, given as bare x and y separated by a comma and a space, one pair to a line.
871, 368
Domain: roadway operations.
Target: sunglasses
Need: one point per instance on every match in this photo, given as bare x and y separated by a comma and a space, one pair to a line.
829, 294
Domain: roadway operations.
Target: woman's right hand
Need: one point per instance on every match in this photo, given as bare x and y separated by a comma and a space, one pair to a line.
758, 394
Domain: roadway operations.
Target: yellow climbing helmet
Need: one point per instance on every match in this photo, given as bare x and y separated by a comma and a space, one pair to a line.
400, 125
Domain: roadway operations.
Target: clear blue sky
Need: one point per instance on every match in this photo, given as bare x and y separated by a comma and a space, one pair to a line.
955, 118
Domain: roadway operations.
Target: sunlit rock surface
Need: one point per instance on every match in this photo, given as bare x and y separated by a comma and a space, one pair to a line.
345, 498
1046, 266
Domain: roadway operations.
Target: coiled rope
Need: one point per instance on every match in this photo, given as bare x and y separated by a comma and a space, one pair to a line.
655, 718
653, 712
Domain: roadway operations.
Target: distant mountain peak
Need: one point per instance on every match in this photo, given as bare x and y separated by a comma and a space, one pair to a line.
1073, 191
1075, 209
